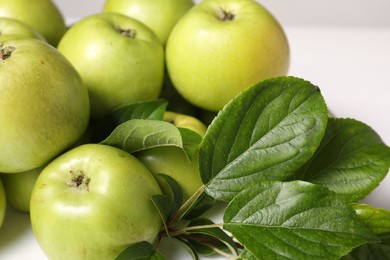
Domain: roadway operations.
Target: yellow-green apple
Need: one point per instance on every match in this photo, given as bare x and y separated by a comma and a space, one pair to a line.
221, 47
119, 59
92, 202
42, 15
18, 188
159, 15
44, 107
172, 161
11, 28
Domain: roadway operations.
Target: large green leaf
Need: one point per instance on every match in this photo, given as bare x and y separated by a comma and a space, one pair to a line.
140, 251
351, 160
371, 251
294, 220
266, 132
138, 134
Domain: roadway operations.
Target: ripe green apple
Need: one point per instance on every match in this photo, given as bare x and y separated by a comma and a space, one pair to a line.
42, 15
3, 203
159, 15
119, 59
221, 47
92, 202
172, 161
44, 107
11, 28
18, 188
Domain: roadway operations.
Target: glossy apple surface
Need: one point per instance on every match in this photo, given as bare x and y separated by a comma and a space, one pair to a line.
42, 15
11, 28
159, 15
221, 47
18, 188
119, 59
44, 107
92, 202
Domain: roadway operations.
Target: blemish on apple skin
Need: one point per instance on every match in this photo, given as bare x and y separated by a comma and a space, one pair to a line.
42, 62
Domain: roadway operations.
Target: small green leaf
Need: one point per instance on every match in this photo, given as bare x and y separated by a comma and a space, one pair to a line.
172, 189
376, 219
294, 220
202, 204
165, 207
153, 110
352, 160
191, 141
266, 133
139, 251
139, 134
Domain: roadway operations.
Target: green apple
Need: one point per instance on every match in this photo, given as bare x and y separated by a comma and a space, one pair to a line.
18, 188
44, 107
159, 15
42, 15
92, 202
11, 28
185, 121
119, 59
172, 161
221, 47
3, 203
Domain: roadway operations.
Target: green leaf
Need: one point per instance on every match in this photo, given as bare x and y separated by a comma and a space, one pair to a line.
266, 133
372, 251
165, 207
207, 237
172, 189
294, 220
376, 219
153, 110
139, 251
139, 134
352, 160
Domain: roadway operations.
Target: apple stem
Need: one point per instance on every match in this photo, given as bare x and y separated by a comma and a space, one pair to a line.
131, 33
79, 179
5, 52
224, 15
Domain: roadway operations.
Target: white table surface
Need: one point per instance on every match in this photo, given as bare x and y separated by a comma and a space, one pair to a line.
352, 68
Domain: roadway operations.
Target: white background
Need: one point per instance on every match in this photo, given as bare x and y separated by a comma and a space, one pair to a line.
342, 46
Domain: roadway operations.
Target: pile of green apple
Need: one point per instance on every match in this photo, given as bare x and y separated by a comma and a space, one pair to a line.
102, 122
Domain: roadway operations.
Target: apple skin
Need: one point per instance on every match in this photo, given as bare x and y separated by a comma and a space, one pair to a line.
102, 210
11, 28
211, 57
117, 69
172, 161
18, 188
159, 15
3, 203
44, 107
43, 15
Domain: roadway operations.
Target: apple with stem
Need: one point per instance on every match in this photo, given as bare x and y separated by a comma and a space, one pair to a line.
43, 15
44, 107
92, 202
119, 59
159, 15
221, 47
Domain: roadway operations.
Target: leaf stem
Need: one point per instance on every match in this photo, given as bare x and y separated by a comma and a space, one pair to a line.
187, 204
185, 229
